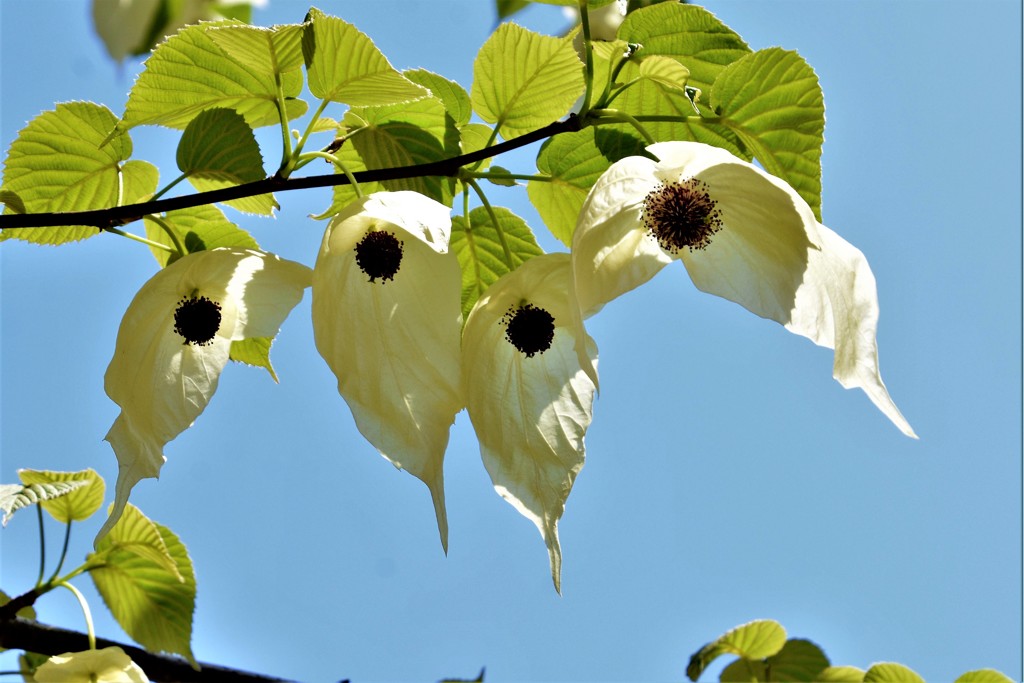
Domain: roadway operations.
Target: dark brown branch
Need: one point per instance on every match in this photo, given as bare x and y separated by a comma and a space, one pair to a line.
121, 215
31, 636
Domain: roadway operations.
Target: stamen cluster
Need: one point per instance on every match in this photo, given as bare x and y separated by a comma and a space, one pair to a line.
529, 328
197, 320
681, 215
379, 255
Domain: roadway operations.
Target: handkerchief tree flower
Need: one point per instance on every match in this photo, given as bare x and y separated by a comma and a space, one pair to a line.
387, 320
528, 395
743, 235
174, 341
107, 665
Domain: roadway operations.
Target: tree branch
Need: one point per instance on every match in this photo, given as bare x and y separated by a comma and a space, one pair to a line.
31, 636
121, 215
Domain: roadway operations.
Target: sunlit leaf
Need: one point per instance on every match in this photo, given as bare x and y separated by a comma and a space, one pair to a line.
12, 201
13, 497
841, 674
59, 162
481, 256
137, 534
799, 661
452, 95
398, 135
772, 100
254, 351
890, 672
754, 640
139, 180
76, 505
574, 161
268, 50
197, 228
188, 74
345, 66
983, 676
217, 150
524, 80
152, 603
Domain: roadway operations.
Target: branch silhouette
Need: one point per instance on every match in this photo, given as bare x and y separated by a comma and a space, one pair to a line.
120, 215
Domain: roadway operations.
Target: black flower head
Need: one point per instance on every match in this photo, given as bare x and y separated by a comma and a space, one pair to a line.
528, 328
379, 255
197, 320
681, 214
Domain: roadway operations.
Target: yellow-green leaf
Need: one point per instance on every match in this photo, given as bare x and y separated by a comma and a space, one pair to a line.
152, 603
524, 80
76, 505
218, 149
59, 162
841, 674
772, 101
137, 534
13, 497
345, 66
197, 228
269, 50
983, 676
890, 672
481, 255
754, 640
254, 351
188, 74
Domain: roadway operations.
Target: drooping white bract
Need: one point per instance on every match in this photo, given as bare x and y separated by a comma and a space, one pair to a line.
742, 234
108, 665
387, 319
527, 393
175, 339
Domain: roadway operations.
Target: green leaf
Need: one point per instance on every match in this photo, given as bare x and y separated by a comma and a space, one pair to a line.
890, 672
137, 534
475, 136
698, 41
198, 228
254, 351
798, 661
188, 74
76, 505
507, 8
151, 602
592, 4
984, 676
755, 640
59, 163
345, 66
841, 674
139, 179
523, 80
452, 95
12, 201
506, 182
482, 258
268, 50
690, 34
217, 150
13, 497
666, 73
125, 27
772, 100
574, 161
398, 135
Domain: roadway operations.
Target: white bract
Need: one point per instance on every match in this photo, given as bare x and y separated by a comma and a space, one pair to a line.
109, 665
387, 319
175, 339
742, 234
527, 393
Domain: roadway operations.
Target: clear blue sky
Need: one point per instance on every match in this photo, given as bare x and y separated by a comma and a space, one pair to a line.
728, 476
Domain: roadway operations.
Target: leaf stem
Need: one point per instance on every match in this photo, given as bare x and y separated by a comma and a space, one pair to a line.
616, 116
293, 162
341, 167
494, 219
167, 187
501, 175
63, 553
85, 612
588, 52
42, 546
179, 248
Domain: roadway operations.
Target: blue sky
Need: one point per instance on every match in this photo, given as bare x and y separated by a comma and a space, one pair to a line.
728, 476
